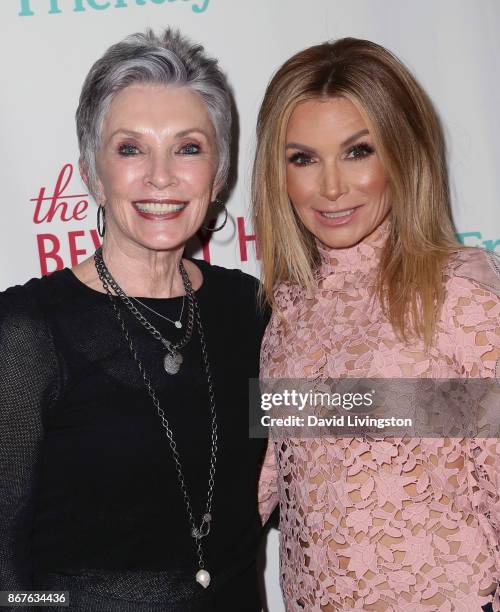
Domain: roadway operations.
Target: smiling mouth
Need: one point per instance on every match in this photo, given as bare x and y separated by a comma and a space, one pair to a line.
155, 207
337, 215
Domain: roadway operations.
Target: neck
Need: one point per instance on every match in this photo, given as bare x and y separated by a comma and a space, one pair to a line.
361, 257
144, 272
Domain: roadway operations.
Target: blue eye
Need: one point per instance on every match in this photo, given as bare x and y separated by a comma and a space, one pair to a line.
128, 150
300, 159
359, 151
189, 149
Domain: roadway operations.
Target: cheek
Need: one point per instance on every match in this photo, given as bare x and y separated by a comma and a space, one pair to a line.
371, 179
118, 178
298, 186
200, 179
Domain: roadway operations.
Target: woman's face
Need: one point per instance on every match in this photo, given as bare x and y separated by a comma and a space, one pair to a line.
335, 179
156, 166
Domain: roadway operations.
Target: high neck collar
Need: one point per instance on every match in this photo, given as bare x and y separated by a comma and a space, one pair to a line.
360, 259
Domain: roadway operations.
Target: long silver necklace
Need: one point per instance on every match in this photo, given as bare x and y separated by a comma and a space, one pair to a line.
198, 533
173, 358
177, 322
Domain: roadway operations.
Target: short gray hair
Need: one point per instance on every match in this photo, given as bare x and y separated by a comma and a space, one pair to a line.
170, 58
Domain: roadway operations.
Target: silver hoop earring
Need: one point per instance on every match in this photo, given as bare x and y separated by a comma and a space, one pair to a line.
101, 221
217, 229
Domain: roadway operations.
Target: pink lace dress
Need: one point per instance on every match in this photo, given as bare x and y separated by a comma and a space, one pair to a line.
374, 524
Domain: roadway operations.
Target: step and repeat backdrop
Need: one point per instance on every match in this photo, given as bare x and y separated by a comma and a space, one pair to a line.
47, 47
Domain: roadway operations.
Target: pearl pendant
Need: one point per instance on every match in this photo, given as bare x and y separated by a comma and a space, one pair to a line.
178, 324
203, 578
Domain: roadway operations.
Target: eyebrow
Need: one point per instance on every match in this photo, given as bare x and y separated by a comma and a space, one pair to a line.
180, 134
354, 137
346, 143
191, 131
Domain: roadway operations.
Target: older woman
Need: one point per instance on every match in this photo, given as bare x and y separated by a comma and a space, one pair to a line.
127, 474
367, 280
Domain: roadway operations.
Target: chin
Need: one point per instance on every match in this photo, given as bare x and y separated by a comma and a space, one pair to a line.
339, 239
162, 243
348, 235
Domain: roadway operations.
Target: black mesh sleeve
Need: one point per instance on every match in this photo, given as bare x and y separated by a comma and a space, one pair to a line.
28, 386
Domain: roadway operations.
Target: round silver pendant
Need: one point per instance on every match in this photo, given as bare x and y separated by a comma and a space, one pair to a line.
178, 324
172, 362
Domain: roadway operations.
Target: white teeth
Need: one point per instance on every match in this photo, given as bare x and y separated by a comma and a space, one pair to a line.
159, 209
334, 215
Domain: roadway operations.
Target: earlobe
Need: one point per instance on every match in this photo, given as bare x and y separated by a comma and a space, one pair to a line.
95, 190
83, 174
217, 190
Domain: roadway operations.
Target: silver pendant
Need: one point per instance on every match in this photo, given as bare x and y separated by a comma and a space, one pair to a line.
178, 324
172, 362
204, 529
203, 578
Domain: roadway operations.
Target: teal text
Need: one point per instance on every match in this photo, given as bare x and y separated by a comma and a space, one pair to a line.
29, 8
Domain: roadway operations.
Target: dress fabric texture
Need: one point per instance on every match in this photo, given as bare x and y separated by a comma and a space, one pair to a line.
89, 496
384, 524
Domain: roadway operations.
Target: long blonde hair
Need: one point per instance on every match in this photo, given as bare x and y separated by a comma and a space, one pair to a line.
410, 144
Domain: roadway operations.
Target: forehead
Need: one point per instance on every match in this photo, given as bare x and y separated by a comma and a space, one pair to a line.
157, 106
337, 117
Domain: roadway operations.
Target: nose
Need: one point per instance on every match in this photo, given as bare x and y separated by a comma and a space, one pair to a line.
332, 183
161, 172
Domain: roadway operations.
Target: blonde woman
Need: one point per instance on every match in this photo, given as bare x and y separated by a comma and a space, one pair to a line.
367, 279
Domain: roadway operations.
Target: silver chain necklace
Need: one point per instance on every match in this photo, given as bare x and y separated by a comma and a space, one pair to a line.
177, 322
198, 533
173, 359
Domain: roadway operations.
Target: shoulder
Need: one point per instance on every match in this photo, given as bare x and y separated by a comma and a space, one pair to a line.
470, 269
26, 337
34, 297
225, 275
288, 296
231, 282
471, 311
234, 290
472, 282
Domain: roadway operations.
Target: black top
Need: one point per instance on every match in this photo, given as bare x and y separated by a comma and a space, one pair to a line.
88, 485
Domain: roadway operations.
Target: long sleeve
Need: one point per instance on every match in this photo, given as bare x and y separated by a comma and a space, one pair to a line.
473, 311
485, 451
472, 315
268, 484
268, 481
28, 385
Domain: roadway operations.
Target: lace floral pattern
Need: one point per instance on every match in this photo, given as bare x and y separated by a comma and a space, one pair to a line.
374, 524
